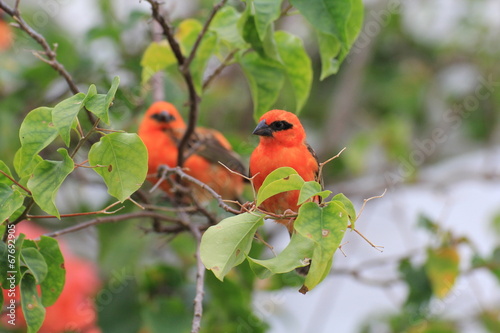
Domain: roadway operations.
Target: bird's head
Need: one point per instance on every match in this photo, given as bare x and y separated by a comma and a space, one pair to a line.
162, 116
280, 126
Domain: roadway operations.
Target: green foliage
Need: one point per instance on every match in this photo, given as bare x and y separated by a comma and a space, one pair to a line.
319, 229
267, 57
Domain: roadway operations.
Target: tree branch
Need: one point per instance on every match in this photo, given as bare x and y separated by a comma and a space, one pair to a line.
112, 219
200, 278
49, 53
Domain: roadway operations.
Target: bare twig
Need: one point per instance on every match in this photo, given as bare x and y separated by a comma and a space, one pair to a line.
376, 247
112, 219
322, 164
366, 200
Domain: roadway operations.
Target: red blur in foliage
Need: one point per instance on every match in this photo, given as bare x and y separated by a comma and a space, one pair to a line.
5, 34
74, 311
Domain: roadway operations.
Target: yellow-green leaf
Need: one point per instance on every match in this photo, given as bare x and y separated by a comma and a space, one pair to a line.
33, 310
158, 56
279, 181
65, 113
442, 267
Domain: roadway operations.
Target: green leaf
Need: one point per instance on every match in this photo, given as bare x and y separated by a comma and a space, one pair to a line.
280, 180
37, 132
121, 159
33, 310
338, 23
226, 244
28, 168
6, 169
311, 189
35, 263
265, 78
64, 115
53, 283
10, 261
158, 56
420, 290
225, 25
297, 66
442, 267
47, 178
99, 104
265, 47
329, 48
326, 227
348, 206
266, 12
297, 254
11, 200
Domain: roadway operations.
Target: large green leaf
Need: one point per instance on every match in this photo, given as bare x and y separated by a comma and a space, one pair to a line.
121, 159
296, 254
48, 176
64, 115
37, 132
266, 12
265, 46
326, 227
10, 201
33, 310
53, 283
225, 25
338, 23
297, 66
99, 104
158, 56
280, 180
265, 78
227, 244
35, 263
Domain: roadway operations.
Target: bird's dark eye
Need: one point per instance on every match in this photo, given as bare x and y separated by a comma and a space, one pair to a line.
280, 125
163, 117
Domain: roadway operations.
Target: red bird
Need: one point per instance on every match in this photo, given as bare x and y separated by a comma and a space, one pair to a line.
161, 130
282, 144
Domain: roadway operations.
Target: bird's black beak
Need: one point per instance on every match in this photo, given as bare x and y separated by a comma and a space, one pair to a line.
263, 129
163, 117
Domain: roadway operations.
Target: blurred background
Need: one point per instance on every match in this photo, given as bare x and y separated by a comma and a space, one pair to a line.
416, 103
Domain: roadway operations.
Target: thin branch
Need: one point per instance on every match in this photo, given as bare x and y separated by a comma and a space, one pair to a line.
219, 69
200, 277
102, 211
184, 176
15, 182
366, 200
111, 219
376, 247
202, 34
48, 55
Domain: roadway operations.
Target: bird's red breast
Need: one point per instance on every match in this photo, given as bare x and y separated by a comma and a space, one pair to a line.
282, 144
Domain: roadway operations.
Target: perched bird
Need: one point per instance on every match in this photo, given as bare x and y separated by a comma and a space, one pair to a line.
282, 144
161, 130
